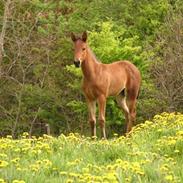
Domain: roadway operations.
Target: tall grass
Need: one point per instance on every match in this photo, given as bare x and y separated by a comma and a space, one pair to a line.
152, 152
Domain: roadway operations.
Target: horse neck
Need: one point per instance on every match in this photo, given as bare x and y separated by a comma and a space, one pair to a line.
90, 66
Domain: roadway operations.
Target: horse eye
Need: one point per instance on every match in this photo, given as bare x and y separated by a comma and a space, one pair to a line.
84, 49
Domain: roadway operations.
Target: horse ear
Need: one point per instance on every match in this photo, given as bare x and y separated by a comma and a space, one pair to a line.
84, 36
73, 37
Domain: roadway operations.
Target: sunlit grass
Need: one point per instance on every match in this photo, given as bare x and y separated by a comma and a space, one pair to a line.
152, 152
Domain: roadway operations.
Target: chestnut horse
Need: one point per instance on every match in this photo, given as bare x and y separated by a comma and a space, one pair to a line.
121, 79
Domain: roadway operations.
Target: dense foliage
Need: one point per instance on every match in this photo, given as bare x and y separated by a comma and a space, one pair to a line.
157, 157
40, 87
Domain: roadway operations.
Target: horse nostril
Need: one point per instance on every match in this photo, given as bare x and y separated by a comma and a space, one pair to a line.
77, 63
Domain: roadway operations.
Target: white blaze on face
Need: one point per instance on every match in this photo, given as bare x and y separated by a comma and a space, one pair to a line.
80, 60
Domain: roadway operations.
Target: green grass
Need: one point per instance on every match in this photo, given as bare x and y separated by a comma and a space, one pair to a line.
152, 152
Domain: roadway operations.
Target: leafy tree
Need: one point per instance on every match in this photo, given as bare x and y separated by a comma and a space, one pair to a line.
38, 85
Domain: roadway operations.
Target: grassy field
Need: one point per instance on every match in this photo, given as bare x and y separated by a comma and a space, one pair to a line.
153, 152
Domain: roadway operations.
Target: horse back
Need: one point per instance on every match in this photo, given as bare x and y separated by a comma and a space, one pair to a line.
123, 75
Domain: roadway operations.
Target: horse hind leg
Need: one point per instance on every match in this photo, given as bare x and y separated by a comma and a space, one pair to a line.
131, 102
132, 115
121, 100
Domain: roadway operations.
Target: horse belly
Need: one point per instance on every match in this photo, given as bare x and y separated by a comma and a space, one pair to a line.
115, 90
117, 84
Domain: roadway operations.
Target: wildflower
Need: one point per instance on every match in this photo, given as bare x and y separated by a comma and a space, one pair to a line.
71, 163
18, 181
45, 136
89, 166
176, 151
109, 167
63, 173
94, 137
9, 137
111, 177
164, 169
18, 169
40, 138
17, 150
169, 177
2, 181
115, 134
3, 164
71, 134
118, 161
25, 134
34, 167
179, 133
47, 162
38, 162
140, 172
3, 155
69, 181
77, 160
15, 160
86, 170
171, 142
127, 179
73, 174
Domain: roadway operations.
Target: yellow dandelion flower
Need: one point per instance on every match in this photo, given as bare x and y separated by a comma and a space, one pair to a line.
86, 170
2, 181
163, 169
115, 134
109, 167
111, 177
45, 136
9, 137
54, 169
47, 162
169, 177
17, 150
18, 181
77, 160
15, 160
127, 179
172, 142
3, 155
73, 174
180, 133
140, 173
3, 164
18, 169
176, 151
119, 161
89, 166
63, 173
94, 137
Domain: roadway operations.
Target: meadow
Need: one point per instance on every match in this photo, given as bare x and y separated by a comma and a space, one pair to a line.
152, 152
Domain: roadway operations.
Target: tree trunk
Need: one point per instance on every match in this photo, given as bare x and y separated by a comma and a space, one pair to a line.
3, 31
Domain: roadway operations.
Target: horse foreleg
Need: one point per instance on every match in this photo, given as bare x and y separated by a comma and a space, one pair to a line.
102, 106
92, 118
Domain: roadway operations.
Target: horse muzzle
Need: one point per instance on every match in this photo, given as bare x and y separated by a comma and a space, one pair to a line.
77, 63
